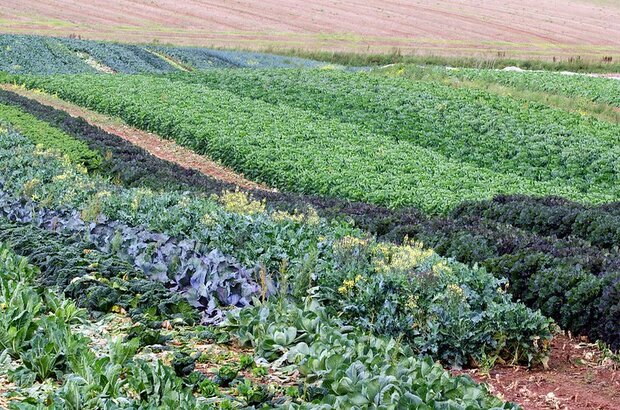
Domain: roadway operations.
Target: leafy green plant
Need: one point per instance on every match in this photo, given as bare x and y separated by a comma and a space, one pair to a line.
208, 388
20, 307
447, 161
42, 133
246, 361
354, 370
260, 371
252, 393
183, 363
226, 374
158, 387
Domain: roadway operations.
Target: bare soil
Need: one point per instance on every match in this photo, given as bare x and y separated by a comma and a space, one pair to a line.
524, 28
579, 377
160, 147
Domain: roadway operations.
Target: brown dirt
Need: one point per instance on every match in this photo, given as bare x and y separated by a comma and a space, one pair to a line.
579, 377
154, 144
546, 28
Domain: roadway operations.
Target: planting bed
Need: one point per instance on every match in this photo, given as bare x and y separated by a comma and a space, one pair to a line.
383, 228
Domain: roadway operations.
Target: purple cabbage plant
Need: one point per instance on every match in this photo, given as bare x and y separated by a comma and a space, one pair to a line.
206, 277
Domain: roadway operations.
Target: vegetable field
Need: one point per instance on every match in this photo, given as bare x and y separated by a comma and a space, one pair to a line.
50, 55
299, 150
604, 90
418, 231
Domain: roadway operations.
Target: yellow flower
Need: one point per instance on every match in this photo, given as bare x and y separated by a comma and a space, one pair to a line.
351, 242
312, 217
208, 220
441, 267
30, 186
412, 302
349, 284
403, 258
60, 177
285, 216
455, 290
135, 203
184, 202
239, 202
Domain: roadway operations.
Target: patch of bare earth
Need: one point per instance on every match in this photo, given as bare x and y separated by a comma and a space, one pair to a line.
579, 377
543, 28
88, 59
160, 147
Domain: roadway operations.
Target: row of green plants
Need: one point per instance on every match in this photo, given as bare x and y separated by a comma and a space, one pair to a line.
40, 132
300, 253
31, 54
38, 55
566, 100
476, 127
51, 364
568, 279
353, 370
121, 58
429, 386
205, 277
299, 150
597, 89
200, 58
512, 236
39, 346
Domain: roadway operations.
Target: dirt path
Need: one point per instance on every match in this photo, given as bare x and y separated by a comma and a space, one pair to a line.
160, 147
579, 377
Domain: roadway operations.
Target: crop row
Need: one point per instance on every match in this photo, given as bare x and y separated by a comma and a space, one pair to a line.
98, 281
298, 150
121, 58
25, 54
471, 126
599, 225
38, 344
135, 167
597, 89
477, 232
204, 58
42, 133
38, 55
207, 279
353, 273
44, 351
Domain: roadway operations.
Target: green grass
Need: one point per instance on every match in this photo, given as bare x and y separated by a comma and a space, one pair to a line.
573, 63
596, 97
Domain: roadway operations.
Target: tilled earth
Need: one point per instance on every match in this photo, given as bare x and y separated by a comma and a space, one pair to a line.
580, 376
518, 28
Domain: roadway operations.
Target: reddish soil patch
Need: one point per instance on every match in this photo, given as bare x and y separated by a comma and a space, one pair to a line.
517, 27
579, 377
154, 144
